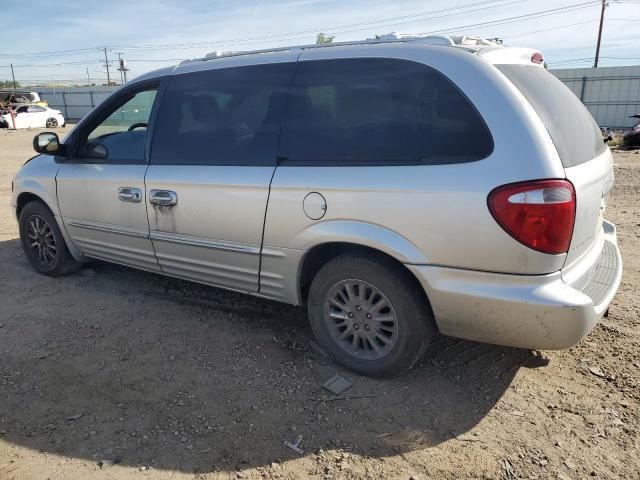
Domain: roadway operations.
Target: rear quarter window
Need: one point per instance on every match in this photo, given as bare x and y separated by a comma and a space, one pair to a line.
574, 132
379, 111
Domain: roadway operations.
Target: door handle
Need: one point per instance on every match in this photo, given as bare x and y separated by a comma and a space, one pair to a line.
165, 198
130, 194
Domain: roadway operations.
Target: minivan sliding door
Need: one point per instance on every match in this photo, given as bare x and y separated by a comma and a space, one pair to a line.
212, 159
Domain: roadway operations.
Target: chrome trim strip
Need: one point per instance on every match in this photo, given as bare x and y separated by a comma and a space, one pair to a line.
101, 227
202, 242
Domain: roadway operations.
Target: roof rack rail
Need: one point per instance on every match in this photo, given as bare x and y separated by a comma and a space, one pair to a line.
393, 37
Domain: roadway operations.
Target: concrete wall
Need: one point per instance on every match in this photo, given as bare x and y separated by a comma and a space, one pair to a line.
610, 93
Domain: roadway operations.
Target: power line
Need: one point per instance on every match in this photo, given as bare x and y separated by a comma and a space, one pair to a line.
179, 59
337, 30
348, 28
590, 59
517, 18
558, 27
546, 29
62, 64
404, 19
268, 37
157, 59
48, 54
497, 22
411, 18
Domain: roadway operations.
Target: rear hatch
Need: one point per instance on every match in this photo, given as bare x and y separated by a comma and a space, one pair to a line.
586, 159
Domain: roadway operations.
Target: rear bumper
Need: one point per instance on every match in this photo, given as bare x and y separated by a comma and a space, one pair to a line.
528, 311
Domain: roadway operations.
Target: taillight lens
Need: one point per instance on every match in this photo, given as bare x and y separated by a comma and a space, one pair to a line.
537, 58
538, 214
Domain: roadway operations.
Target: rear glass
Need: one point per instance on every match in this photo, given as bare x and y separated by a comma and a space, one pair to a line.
574, 132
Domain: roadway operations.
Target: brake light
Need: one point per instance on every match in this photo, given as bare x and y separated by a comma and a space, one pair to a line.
538, 214
537, 58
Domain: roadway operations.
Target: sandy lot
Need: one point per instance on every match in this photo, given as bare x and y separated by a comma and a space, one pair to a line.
114, 373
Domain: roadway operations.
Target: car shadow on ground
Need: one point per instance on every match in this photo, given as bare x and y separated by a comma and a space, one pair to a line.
115, 365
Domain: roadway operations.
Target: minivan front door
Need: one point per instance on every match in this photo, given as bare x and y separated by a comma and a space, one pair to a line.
101, 188
212, 159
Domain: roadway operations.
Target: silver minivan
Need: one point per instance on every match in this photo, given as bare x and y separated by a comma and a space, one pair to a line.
396, 188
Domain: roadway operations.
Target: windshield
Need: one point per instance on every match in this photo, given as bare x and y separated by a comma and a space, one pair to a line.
574, 132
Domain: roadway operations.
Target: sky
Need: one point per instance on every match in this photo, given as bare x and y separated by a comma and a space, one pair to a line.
64, 42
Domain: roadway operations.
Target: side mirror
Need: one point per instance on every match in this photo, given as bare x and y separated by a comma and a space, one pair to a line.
47, 143
97, 151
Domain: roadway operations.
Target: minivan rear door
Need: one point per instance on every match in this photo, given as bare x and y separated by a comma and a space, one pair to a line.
586, 159
212, 159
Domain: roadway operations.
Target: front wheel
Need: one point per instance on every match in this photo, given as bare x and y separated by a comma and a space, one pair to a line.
43, 243
51, 123
369, 315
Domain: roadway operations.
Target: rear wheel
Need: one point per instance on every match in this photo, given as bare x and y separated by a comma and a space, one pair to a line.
51, 123
43, 243
369, 315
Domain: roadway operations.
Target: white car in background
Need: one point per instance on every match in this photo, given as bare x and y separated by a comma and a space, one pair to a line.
33, 116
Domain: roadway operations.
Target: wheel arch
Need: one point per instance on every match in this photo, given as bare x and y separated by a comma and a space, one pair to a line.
322, 253
322, 241
29, 196
359, 233
25, 197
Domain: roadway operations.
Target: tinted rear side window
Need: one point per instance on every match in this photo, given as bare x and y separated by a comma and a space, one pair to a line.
379, 111
225, 116
574, 132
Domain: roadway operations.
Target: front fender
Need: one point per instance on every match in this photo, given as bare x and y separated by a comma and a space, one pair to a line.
37, 177
34, 188
359, 233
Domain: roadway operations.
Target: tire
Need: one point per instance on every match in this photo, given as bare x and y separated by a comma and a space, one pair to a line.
380, 290
51, 123
43, 243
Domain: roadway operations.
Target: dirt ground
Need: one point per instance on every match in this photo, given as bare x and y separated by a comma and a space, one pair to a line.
113, 373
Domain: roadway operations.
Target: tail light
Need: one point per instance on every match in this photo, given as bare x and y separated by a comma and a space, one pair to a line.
538, 214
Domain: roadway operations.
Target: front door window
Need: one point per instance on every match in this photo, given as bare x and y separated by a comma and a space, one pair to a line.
121, 136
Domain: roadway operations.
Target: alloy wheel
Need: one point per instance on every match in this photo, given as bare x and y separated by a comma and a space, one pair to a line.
361, 319
41, 240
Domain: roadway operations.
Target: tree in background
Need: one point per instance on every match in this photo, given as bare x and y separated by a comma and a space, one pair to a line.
322, 39
8, 84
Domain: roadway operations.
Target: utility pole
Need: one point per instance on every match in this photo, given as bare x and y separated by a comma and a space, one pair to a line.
88, 78
106, 63
604, 5
14, 77
120, 67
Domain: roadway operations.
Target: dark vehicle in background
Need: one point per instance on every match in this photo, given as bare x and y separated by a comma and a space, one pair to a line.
632, 138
